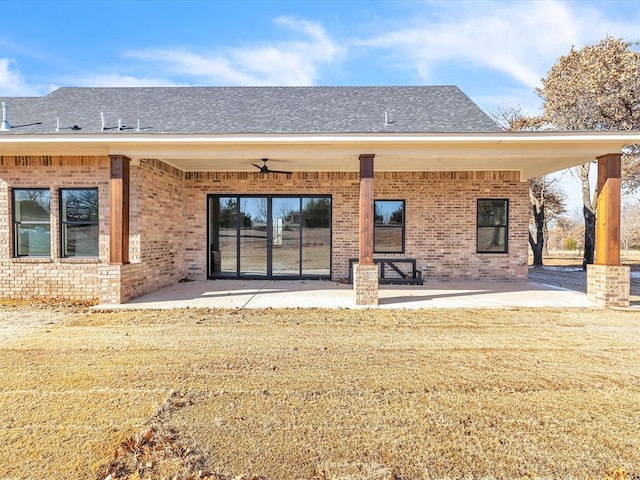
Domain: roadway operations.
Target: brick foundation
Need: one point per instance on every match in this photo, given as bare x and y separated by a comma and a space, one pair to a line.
365, 284
608, 285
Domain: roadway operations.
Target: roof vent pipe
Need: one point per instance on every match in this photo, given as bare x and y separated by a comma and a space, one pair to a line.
5, 126
102, 120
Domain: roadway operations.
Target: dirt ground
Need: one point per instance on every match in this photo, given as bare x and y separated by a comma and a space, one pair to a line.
318, 394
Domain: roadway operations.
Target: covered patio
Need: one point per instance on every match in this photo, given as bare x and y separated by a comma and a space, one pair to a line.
247, 294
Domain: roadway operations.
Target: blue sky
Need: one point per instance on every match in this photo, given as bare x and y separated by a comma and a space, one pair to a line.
496, 52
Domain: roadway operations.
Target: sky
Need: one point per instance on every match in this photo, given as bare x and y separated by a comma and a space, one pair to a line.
495, 51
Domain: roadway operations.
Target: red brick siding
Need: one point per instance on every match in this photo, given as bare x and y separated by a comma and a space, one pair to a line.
168, 223
440, 216
55, 277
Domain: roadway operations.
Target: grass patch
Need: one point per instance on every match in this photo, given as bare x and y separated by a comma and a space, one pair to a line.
349, 394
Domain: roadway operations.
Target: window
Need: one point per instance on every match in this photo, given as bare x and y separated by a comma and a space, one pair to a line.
79, 229
31, 222
492, 234
388, 232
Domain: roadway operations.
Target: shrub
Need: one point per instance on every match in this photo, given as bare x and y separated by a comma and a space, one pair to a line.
570, 243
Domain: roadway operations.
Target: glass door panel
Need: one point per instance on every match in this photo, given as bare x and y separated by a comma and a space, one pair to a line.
253, 236
223, 236
316, 236
285, 224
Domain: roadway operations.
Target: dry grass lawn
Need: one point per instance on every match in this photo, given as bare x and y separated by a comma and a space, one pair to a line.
301, 394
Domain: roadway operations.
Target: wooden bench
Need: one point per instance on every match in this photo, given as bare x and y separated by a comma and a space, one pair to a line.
389, 271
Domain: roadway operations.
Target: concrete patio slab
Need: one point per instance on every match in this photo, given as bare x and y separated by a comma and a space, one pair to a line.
327, 294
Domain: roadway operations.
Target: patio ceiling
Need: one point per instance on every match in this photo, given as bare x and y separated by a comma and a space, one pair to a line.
530, 153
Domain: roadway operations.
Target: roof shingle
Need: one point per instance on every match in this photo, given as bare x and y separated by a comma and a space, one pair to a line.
254, 110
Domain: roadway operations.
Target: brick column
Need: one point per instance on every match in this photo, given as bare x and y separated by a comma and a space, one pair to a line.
609, 285
365, 273
365, 284
608, 282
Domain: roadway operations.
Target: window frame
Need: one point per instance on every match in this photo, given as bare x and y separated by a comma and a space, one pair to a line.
16, 224
64, 223
504, 225
402, 226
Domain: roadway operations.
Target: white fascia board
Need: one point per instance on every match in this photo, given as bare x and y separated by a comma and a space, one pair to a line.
624, 137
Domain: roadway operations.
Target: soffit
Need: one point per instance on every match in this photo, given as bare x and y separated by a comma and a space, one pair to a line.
530, 153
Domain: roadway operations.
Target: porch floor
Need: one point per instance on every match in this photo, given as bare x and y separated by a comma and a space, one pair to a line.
327, 294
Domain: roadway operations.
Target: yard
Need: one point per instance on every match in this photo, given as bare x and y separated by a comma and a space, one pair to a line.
340, 394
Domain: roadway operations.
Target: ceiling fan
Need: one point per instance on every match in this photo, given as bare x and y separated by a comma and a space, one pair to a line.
265, 169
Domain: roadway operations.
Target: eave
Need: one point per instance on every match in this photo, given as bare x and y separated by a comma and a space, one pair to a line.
529, 153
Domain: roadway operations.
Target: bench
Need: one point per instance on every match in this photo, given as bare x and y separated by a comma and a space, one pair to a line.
389, 271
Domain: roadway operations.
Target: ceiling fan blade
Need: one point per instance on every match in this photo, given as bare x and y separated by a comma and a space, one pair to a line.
265, 169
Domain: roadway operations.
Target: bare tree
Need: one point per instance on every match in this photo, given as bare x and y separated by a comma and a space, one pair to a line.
595, 88
547, 203
547, 200
630, 226
567, 232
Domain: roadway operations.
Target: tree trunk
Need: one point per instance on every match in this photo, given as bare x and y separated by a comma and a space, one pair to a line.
545, 233
589, 237
589, 213
537, 247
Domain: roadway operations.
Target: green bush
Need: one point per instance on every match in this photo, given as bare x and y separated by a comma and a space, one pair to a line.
570, 244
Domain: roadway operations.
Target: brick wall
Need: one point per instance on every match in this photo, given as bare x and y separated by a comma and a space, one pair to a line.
156, 232
55, 277
440, 217
168, 223
159, 223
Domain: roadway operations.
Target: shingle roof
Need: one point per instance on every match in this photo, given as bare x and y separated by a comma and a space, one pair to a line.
238, 110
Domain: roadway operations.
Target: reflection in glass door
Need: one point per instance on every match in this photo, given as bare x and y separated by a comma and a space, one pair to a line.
285, 222
269, 236
253, 236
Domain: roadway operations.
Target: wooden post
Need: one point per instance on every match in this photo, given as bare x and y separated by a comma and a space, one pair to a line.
366, 209
608, 282
119, 212
608, 210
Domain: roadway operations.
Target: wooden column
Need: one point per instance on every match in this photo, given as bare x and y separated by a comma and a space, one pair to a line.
366, 209
608, 210
119, 212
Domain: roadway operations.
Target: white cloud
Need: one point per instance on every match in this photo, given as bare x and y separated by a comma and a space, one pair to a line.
519, 39
279, 63
117, 80
12, 83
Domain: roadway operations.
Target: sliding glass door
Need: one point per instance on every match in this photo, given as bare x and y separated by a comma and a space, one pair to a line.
253, 238
269, 236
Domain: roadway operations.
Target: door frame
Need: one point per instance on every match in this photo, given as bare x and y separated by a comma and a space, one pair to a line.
269, 238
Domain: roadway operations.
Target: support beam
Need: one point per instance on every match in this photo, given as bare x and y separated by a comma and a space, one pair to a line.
119, 210
608, 282
608, 210
365, 256
365, 273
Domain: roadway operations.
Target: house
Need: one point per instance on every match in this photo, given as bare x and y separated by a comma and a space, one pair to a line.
109, 193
